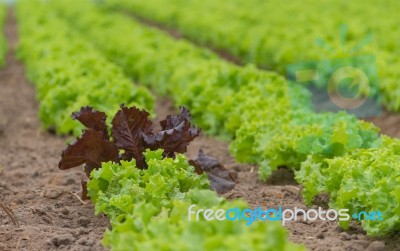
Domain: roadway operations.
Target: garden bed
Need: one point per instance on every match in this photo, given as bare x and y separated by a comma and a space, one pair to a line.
46, 203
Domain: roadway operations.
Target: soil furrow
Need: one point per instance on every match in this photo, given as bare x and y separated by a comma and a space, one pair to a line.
39, 195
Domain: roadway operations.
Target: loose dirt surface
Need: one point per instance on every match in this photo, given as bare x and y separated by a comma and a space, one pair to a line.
50, 214
42, 198
389, 123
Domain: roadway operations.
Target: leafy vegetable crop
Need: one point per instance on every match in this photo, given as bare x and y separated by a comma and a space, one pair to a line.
269, 119
146, 193
67, 79
148, 210
284, 35
361, 180
132, 133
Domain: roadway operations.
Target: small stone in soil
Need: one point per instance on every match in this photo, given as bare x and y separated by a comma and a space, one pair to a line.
320, 235
82, 241
360, 237
345, 236
376, 246
83, 221
353, 247
70, 181
65, 239
30, 196
53, 194
82, 231
58, 204
362, 243
65, 211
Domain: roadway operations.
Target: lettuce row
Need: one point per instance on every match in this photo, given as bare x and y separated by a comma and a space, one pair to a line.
284, 35
3, 42
271, 144
68, 72
269, 120
361, 180
192, 76
149, 210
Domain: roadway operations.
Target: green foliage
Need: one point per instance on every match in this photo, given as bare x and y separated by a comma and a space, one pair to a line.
115, 188
291, 137
147, 207
3, 42
149, 210
208, 86
273, 35
268, 119
169, 229
361, 180
68, 72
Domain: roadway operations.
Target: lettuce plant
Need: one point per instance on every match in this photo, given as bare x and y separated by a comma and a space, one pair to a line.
131, 134
360, 180
149, 210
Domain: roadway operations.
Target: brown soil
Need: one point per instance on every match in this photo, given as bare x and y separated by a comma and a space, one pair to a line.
42, 198
389, 123
51, 216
